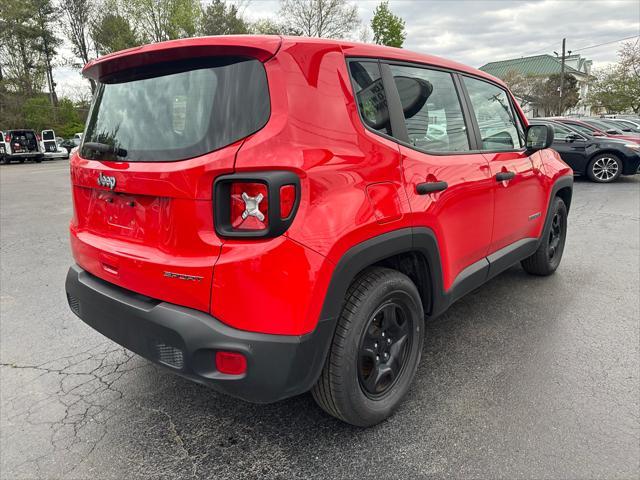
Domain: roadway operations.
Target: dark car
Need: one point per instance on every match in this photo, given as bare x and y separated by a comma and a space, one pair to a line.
596, 129
602, 159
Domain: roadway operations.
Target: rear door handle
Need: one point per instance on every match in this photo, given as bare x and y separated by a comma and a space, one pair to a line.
430, 187
504, 176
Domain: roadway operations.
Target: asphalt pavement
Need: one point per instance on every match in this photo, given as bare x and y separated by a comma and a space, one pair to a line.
524, 378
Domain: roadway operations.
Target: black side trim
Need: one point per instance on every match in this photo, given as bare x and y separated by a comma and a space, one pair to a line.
510, 255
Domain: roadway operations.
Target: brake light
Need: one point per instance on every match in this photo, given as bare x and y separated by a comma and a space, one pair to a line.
249, 206
37, 137
255, 204
287, 200
7, 138
231, 363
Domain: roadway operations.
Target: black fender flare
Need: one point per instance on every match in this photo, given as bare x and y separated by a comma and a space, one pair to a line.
359, 257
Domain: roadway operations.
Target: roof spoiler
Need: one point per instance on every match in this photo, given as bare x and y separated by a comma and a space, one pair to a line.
261, 47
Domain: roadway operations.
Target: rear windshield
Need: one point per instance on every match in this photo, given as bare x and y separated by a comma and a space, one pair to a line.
179, 111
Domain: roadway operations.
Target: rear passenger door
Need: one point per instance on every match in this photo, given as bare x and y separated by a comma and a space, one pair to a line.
517, 178
448, 185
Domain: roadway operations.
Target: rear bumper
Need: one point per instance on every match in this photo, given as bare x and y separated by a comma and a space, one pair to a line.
185, 341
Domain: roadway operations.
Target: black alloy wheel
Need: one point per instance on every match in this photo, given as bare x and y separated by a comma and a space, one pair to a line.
383, 349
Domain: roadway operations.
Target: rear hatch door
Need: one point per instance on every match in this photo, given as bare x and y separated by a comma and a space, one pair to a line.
157, 136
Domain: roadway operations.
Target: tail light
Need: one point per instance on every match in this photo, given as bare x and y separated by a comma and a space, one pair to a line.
257, 204
7, 138
37, 137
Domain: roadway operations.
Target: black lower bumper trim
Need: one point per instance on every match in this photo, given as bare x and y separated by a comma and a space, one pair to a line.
185, 341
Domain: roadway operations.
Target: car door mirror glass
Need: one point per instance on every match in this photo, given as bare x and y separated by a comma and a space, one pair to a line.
539, 137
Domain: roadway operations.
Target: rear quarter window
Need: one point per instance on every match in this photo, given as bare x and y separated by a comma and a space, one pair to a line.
179, 111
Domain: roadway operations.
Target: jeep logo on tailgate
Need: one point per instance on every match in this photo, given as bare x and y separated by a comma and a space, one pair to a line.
107, 181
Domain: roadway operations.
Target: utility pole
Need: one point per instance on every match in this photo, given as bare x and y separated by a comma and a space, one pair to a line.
564, 43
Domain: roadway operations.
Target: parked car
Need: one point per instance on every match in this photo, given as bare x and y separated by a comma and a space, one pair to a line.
68, 144
595, 130
609, 128
20, 145
603, 159
51, 147
627, 126
271, 219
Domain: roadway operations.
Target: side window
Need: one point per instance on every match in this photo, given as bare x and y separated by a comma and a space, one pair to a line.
435, 122
372, 101
499, 127
560, 132
582, 129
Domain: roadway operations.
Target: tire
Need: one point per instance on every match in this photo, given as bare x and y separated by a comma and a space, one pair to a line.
604, 168
382, 319
38, 159
547, 257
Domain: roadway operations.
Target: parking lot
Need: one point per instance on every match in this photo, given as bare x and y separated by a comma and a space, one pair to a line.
524, 378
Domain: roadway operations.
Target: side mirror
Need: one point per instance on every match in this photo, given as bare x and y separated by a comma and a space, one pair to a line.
538, 137
613, 132
572, 137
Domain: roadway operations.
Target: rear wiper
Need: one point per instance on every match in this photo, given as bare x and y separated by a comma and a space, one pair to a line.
105, 148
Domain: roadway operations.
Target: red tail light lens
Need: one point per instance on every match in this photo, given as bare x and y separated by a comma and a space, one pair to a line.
249, 206
7, 138
37, 137
231, 363
287, 200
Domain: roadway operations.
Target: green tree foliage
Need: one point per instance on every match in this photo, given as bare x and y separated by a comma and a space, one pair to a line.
23, 68
617, 88
44, 17
219, 18
388, 29
548, 94
113, 32
544, 92
160, 20
320, 18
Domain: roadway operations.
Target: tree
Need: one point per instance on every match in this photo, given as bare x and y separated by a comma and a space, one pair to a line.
218, 18
617, 88
266, 26
161, 20
320, 18
524, 87
549, 94
78, 14
113, 32
23, 69
388, 29
46, 42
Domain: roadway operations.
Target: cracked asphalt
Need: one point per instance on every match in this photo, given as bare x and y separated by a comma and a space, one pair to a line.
524, 378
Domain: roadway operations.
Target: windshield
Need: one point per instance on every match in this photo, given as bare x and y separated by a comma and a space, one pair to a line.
175, 112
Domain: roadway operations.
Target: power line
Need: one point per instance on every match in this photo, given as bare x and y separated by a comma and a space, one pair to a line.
605, 43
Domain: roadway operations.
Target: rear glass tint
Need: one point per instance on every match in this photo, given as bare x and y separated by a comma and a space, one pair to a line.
179, 111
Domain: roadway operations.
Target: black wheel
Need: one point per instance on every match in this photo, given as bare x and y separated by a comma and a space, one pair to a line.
375, 350
38, 159
604, 168
547, 258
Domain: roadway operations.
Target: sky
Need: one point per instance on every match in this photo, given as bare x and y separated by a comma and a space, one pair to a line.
475, 32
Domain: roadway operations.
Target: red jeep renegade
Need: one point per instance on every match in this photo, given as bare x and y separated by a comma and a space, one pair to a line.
272, 215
